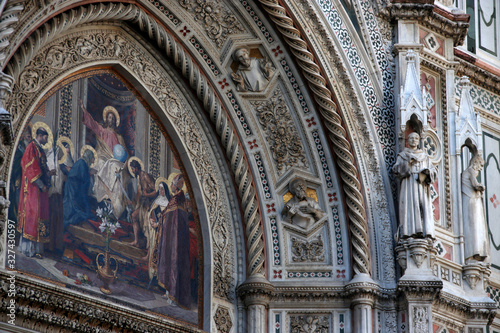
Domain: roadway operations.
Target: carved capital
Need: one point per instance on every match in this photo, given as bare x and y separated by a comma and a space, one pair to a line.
256, 290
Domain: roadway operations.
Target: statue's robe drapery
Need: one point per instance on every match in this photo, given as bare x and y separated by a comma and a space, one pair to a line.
475, 227
417, 173
171, 251
33, 202
76, 201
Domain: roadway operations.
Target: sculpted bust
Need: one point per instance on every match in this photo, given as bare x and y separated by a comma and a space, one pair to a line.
252, 74
416, 172
475, 229
301, 210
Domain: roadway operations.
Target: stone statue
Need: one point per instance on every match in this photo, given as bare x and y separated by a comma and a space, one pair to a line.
252, 74
475, 229
416, 172
301, 210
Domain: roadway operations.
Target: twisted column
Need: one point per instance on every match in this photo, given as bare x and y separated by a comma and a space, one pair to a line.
336, 133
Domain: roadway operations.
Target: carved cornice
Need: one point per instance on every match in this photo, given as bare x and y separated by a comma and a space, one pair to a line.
50, 304
464, 308
420, 289
430, 16
336, 133
479, 73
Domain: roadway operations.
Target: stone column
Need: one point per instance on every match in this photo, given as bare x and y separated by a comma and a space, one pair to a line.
256, 293
362, 289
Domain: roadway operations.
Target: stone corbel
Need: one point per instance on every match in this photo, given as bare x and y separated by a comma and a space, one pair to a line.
476, 272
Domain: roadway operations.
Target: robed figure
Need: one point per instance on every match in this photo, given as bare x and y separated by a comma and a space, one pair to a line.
76, 201
415, 170
33, 214
477, 246
171, 248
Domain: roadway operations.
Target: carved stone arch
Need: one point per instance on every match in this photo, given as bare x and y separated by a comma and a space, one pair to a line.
195, 76
344, 113
206, 164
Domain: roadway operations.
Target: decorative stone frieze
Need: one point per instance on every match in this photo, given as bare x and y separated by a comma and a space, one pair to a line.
217, 20
448, 24
281, 133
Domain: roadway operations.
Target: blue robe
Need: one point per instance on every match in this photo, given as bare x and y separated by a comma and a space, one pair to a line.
76, 202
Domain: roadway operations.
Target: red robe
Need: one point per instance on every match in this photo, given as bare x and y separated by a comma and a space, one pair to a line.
33, 203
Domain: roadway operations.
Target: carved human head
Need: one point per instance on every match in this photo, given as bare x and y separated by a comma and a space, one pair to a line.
477, 162
413, 139
242, 55
298, 188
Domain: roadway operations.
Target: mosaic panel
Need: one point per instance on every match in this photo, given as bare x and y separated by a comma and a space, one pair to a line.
386, 135
491, 171
338, 236
257, 21
276, 241
263, 176
481, 98
65, 111
295, 86
166, 12
324, 165
239, 113
211, 64
494, 294
320, 274
277, 323
341, 323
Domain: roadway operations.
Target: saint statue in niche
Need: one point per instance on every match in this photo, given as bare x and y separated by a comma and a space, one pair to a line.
301, 210
477, 246
416, 173
252, 74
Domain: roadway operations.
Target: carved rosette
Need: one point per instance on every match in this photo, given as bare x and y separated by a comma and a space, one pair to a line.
222, 320
286, 147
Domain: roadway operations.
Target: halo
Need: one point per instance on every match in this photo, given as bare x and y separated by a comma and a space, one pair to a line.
50, 139
171, 179
134, 158
87, 147
109, 109
59, 143
160, 180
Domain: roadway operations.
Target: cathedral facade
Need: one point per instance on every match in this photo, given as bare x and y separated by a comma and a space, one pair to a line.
250, 166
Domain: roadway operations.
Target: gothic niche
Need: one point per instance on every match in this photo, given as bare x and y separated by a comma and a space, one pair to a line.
99, 195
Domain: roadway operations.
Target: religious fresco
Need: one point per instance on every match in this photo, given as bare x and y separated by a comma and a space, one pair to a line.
101, 203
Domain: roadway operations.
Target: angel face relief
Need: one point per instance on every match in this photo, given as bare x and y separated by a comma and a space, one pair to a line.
101, 194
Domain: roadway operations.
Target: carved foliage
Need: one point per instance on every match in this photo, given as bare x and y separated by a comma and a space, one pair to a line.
217, 20
420, 320
223, 320
308, 250
281, 134
309, 324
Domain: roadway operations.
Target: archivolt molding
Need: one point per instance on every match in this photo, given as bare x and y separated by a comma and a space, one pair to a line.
359, 125
336, 133
188, 68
